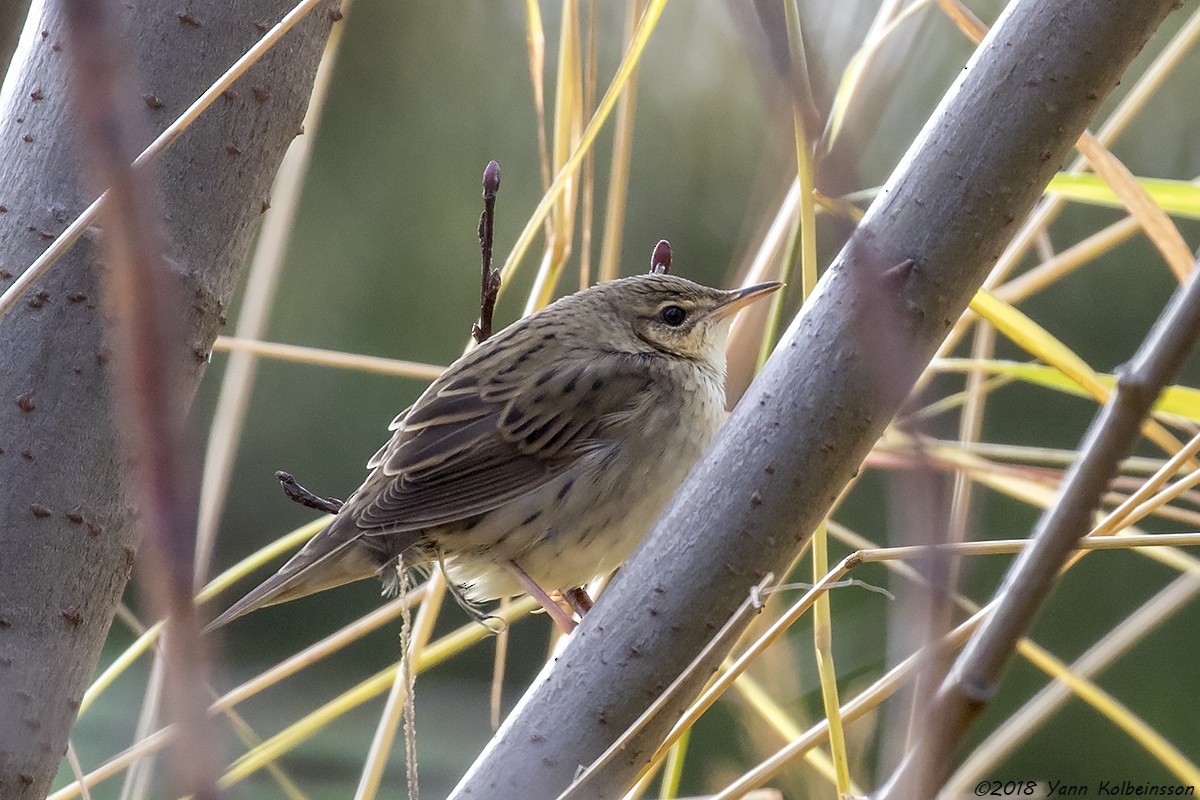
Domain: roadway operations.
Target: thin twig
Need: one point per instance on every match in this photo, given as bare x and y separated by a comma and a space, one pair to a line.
489, 283
298, 494
328, 358
977, 672
401, 703
1018, 727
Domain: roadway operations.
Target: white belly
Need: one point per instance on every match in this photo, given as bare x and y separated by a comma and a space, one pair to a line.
608, 503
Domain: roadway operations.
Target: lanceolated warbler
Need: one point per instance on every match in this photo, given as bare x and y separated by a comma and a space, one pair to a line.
547, 451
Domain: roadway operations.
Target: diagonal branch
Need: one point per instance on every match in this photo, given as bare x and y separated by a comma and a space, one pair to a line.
810, 418
976, 674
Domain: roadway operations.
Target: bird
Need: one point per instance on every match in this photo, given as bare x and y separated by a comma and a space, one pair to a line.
541, 457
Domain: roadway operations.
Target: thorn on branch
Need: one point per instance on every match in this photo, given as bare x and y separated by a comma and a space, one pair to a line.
896, 276
298, 494
660, 259
489, 287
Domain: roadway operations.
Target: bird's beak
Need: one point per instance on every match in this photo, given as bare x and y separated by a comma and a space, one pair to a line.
740, 298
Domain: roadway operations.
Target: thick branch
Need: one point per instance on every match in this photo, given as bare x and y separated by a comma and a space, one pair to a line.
813, 414
66, 526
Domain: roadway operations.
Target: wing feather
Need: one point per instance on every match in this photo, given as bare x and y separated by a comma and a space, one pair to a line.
469, 446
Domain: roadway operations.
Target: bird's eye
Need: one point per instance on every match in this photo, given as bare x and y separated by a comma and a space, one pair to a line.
673, 316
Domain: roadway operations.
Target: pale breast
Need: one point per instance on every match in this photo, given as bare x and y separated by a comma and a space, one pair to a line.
589, 520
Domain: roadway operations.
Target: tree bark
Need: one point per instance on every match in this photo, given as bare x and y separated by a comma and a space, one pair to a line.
836, 379
66, 525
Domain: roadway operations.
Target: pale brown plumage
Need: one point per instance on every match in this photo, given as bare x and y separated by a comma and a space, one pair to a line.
553, 446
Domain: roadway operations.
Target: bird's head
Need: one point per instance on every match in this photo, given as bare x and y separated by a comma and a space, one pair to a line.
672, 315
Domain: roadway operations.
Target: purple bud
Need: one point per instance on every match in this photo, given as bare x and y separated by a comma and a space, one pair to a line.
660, 260
491, 179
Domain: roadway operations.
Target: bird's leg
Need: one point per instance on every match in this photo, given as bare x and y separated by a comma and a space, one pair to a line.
578, 599
557, 613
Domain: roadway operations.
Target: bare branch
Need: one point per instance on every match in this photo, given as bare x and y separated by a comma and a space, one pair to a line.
810, 418
976, 674
489, 288
305, 497
67, 527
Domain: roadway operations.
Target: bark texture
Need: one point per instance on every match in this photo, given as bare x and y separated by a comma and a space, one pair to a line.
66, 526
827, 393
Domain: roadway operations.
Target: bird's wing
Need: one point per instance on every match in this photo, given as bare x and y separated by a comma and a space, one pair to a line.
475, 443
329, 559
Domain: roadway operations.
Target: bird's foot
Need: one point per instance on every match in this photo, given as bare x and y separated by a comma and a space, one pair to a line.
579, 600
556, 612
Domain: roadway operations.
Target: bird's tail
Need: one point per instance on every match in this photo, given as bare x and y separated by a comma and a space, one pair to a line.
329, 559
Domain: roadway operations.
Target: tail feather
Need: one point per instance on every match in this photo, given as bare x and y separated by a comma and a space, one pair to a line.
328, 560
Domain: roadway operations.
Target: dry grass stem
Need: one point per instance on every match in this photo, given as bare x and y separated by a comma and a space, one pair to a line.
1154, 221
733, 626
1017, 728
266, 264
638, 44
589, 162
378, 684
980, 666
757, 698
399, 705
329, 358
77, 771
1048, 209
496, 695
322, 649
622, 155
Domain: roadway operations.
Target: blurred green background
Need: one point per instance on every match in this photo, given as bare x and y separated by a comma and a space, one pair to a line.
384, 261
